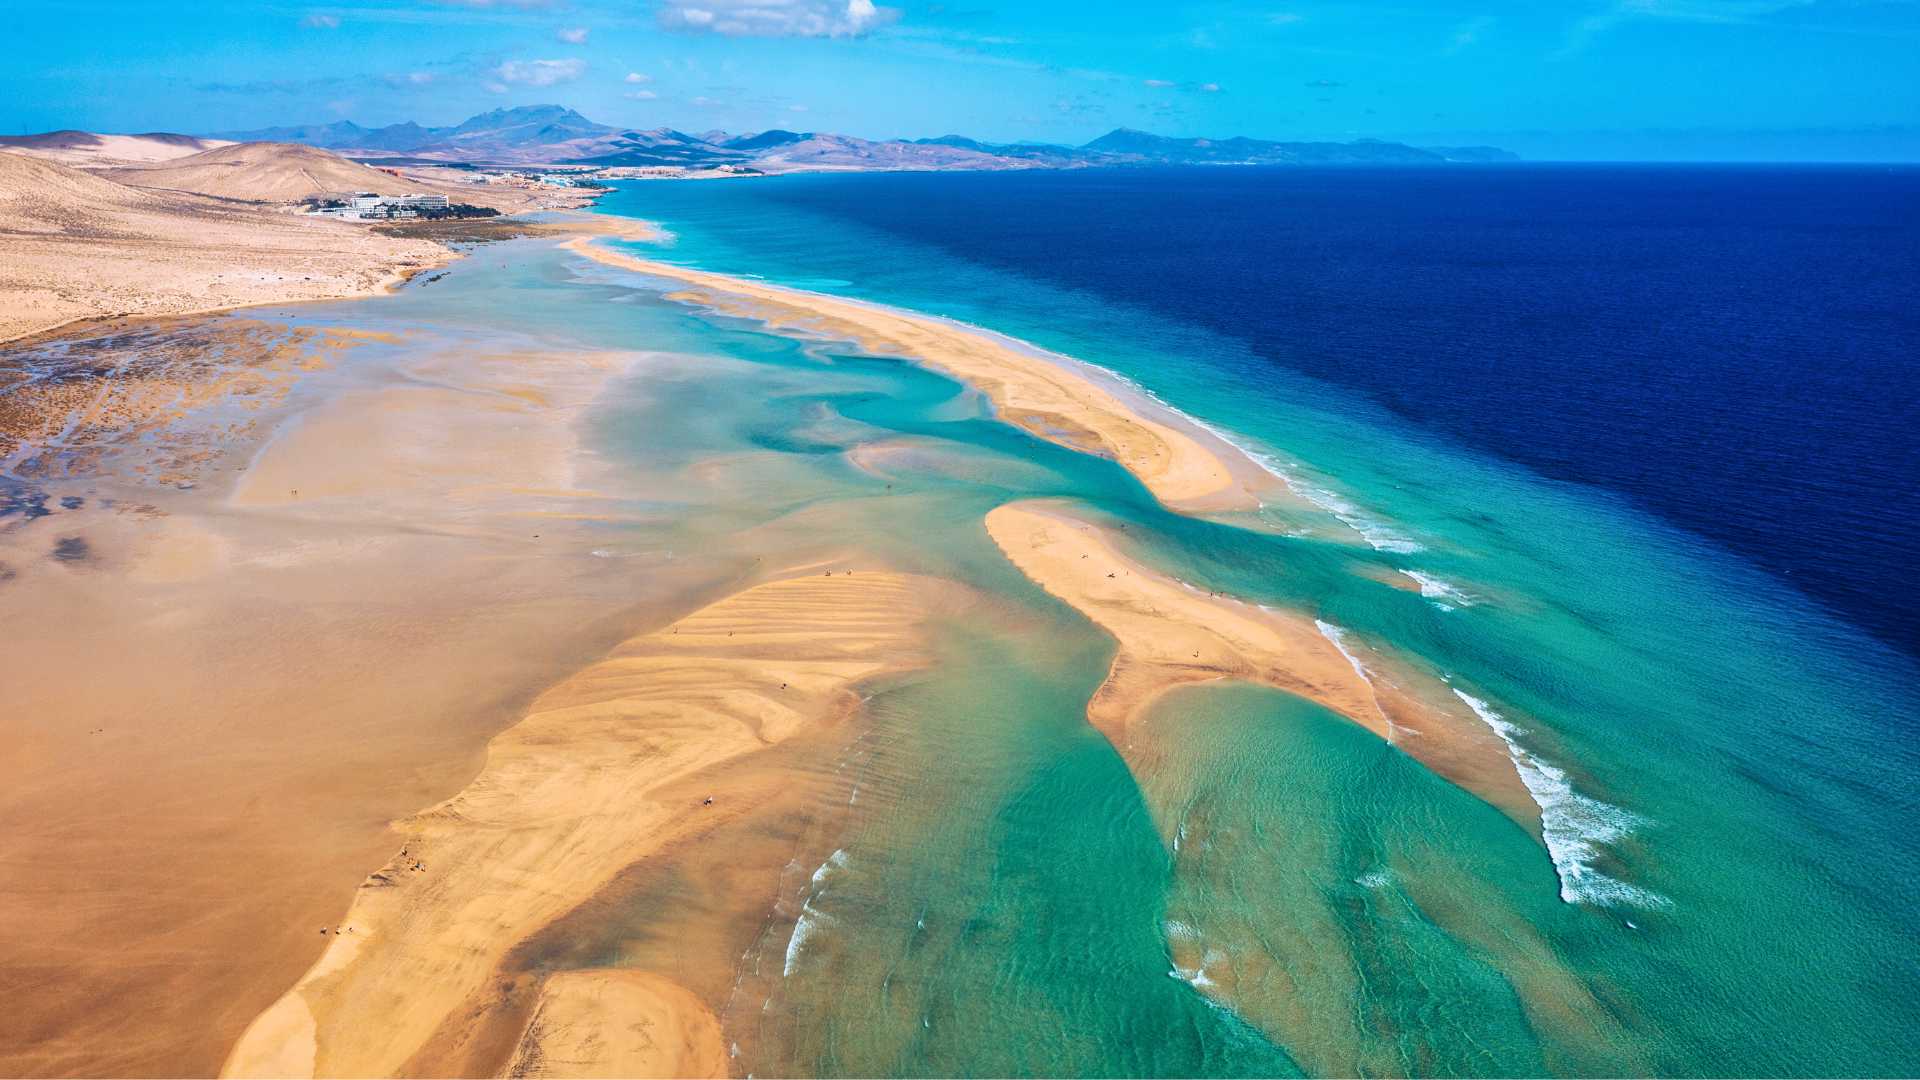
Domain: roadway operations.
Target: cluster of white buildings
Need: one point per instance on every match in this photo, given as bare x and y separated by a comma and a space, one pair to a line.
368, 206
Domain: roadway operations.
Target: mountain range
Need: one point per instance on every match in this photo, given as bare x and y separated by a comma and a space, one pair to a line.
556, 135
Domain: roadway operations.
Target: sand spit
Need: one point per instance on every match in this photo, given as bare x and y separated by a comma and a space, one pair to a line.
1171, 634
618, 1023
569, 796
75, 246
1042, 397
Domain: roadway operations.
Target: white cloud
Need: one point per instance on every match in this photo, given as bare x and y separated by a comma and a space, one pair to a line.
572, 35
1284, 18
1703, 11
796, 108
636, 78
1468, 34
776, 18
318, 21
538, 72
411, 78
640, 95
1169, 84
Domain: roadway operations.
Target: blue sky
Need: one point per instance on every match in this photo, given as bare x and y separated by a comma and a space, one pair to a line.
1779, 79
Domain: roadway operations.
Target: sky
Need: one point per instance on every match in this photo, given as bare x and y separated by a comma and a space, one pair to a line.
1587, 80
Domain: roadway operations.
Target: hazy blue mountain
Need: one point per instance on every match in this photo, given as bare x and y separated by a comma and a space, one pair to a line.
555, 134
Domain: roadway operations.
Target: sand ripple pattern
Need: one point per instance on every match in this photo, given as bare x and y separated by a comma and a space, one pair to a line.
568, 797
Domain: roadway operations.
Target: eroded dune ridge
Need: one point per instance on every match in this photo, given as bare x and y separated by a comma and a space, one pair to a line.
571, 795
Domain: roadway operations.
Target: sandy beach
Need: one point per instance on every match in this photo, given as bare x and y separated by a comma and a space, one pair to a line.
1043, 397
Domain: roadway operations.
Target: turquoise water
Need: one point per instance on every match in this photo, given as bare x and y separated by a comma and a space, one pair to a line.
1736, 787
1727, 882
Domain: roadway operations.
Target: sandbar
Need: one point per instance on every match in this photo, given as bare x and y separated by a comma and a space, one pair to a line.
1172, 634
1043, 397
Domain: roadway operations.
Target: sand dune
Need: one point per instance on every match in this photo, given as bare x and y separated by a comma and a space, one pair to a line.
74, 245
1171, 634
576, 791
88, 150
1043, 397
281, 173
261, 172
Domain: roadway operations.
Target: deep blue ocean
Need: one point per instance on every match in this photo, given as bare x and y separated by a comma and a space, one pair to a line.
1736, 349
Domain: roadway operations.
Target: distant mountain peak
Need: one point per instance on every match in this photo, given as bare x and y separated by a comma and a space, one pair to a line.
548, 133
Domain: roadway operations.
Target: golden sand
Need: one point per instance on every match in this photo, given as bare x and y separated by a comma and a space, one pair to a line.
74, 246
1171, 634
613, 1023
571, 795
1042, 397
315, 639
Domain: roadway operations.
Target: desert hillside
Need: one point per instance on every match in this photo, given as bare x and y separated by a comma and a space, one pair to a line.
263, 172
88, 150
281, 173
74, 245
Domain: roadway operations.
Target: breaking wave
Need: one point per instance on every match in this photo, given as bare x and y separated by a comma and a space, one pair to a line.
1573, 825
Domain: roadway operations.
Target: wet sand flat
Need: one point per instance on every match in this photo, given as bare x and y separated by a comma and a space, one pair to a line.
254, 644
567, 799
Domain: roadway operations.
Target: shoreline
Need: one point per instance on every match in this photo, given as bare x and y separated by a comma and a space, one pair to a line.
1039, 395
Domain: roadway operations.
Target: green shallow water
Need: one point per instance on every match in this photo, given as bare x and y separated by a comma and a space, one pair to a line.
983, 887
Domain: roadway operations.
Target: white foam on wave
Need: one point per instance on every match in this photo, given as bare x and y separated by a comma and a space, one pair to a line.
1377, 878
811, 917
803, 928
1338, 637
1573, 825
1377, 534
1197, 977
1445, 594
